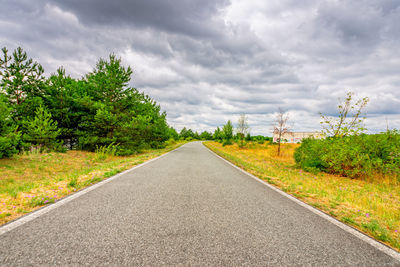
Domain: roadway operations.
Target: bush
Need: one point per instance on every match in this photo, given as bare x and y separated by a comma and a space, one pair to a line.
309, 155
227, 142
170, 142
352, 156
103, 151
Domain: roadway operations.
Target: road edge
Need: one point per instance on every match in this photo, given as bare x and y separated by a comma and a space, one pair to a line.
39, 212
376, 244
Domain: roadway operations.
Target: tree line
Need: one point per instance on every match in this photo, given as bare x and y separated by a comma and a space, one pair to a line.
98, 110
61, 112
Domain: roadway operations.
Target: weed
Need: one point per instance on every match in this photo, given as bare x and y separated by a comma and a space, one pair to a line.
103, 151
19, 210
73, 182
5, 214
348, 220
111, 173
376, 230
93, 180
12, 192
333, 205
40, 201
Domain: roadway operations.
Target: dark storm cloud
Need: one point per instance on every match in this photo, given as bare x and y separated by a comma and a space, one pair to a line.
179, 16
208, 61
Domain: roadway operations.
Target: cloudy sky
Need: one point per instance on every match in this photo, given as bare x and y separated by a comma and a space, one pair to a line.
207, 61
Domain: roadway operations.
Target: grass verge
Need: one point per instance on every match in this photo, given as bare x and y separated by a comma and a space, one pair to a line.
30, 181
372, 207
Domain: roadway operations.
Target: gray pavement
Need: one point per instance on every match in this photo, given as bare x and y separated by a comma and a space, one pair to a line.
187, 208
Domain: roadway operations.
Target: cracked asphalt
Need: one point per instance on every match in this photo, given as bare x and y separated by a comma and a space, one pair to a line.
188, 208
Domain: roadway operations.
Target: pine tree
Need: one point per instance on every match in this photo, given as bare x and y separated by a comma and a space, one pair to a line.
42, 130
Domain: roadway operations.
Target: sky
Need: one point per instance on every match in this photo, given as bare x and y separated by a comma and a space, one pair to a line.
208, 61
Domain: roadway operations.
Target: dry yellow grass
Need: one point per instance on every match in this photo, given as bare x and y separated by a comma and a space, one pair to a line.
28, 182
371, 206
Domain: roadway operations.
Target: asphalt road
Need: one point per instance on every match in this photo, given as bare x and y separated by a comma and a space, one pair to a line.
186, 208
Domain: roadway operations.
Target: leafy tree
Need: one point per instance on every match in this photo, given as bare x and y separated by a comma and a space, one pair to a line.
205, 136
42, 130
173, 134
217, 134
248, 137
186, 133
196, 136
227, 132
9, 137
343, 125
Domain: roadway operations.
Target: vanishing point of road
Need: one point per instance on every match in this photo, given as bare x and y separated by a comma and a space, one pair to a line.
188, 207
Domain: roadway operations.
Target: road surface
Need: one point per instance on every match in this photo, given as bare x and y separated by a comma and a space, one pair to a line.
186, 208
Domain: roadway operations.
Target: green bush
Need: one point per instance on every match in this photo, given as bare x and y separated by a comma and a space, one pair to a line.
352, 156
227, 142
103, 151
170, 142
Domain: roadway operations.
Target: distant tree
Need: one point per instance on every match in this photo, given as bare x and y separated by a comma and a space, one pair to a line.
173, 134
227, 133
343, 125
188, 134
196, 136
217, 135
248, 137
280, 126
242, 129
205, 136
184, 133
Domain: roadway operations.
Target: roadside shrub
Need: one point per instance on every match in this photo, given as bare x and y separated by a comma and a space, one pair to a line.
352, 156
170, 142
260, 141
103, 151
227, 142
73, 182
309, 155
40, 201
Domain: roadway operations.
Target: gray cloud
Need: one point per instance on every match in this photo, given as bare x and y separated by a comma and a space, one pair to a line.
208, 61
194, 18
